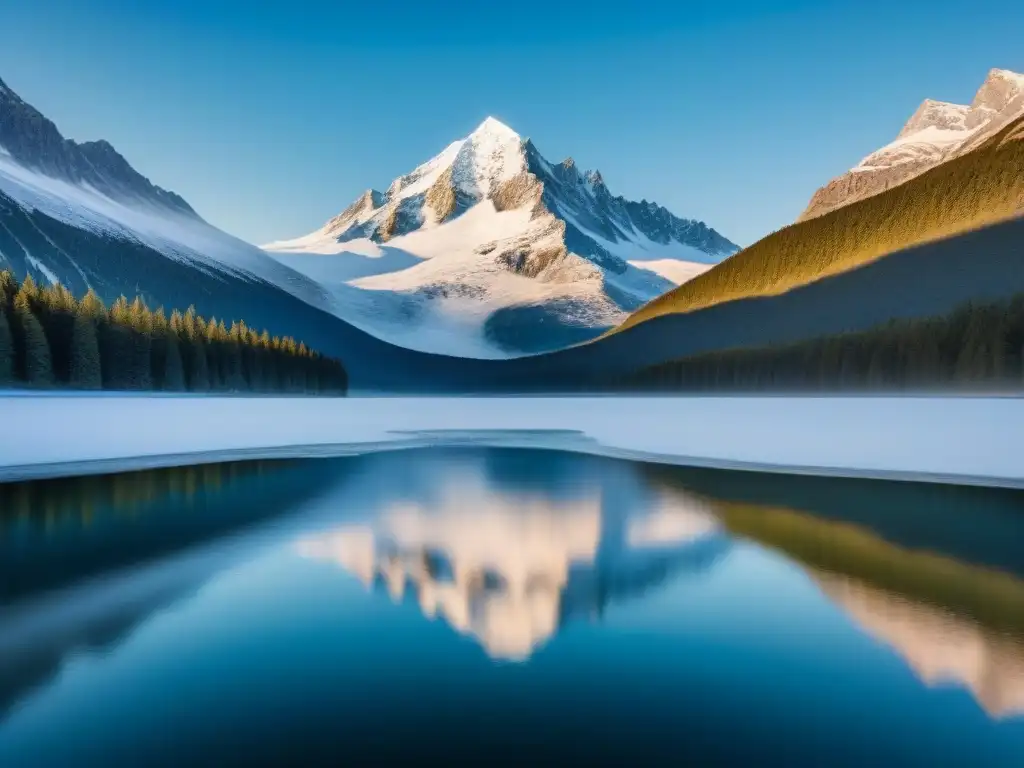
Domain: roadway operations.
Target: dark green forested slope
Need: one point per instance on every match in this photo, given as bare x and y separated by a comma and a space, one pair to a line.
48, 338
977, 345
979, 188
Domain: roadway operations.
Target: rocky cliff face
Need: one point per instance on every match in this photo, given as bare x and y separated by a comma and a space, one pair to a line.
34, 142
936, 132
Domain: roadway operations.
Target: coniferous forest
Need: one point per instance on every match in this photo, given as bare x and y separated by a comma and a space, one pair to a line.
977, 346
49, 338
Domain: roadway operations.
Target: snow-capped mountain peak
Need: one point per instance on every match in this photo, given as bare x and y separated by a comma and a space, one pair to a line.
489, 156
935, 133
493, 127
490, 225
936, 114
1000, 88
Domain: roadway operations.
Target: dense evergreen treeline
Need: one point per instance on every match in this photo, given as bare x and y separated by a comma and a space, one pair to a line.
48, 338
977, 345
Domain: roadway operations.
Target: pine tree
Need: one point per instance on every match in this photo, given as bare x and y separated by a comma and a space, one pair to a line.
56, 309
215, 363
8, 289
234, 368
199, 374
92, 306
173, 379
38, 366
29, 289
158, 348
6, 346
117, 355
141, 323
86, 371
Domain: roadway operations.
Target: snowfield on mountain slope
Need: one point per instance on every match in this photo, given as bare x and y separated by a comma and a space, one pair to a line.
178, 237
429, 290
488, 250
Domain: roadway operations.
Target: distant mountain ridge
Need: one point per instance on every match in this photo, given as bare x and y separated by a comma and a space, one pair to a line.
487, 209
937, 132
33, 141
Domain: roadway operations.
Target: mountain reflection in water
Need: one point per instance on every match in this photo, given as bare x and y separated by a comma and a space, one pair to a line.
634, 592
939, 646
509, 571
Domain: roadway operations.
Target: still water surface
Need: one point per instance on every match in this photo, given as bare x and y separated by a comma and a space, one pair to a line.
496, 604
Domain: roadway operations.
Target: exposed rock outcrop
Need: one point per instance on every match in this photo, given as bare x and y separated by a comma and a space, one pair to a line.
935, 133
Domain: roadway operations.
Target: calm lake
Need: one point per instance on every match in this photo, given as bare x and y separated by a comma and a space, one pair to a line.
506, 604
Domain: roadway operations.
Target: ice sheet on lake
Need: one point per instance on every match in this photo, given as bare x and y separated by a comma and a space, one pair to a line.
967, 440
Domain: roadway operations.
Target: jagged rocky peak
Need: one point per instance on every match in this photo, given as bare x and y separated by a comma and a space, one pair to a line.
488, 157
360, 209
936, 114
938, 131
1000, 88
495, 164
367, 201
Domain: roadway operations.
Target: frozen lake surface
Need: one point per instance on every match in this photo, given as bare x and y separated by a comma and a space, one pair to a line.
962, 439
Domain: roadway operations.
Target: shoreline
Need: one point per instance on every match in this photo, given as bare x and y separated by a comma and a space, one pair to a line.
967, 441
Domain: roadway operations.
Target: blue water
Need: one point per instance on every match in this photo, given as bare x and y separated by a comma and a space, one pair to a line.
508, 605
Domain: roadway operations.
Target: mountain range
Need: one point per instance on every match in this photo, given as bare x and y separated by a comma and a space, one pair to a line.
485, 251
79, 214
488, 250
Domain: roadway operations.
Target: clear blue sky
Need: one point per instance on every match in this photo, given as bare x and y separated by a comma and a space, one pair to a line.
270, 117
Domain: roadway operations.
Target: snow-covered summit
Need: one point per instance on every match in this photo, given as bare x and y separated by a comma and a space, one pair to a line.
999, 90
534, 254
935, 133
488, 157
936, 114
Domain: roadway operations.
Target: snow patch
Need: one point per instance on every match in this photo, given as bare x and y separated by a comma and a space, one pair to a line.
673, 270
927, 143
433, 289
52, 278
